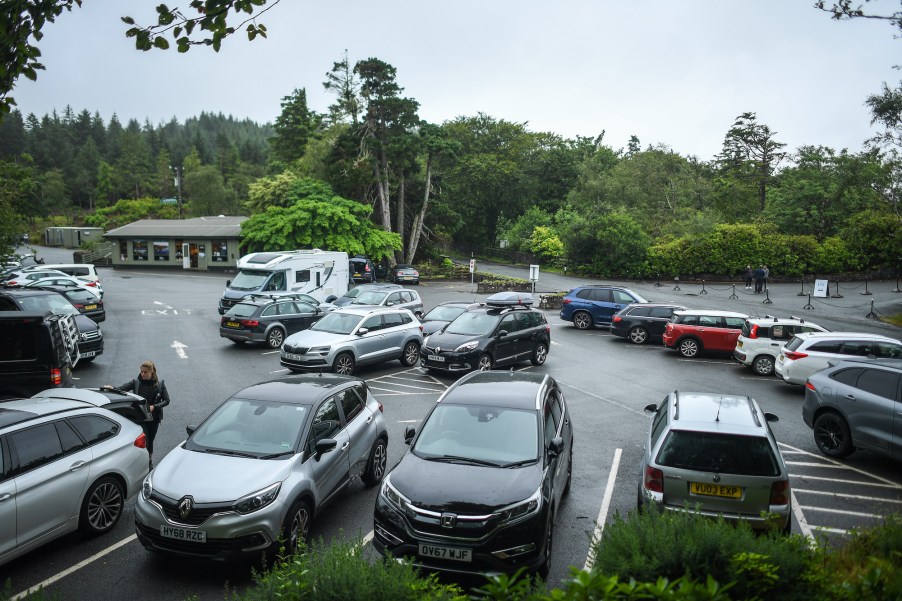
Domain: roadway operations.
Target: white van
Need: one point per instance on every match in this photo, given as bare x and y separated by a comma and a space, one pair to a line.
322, 274
82, 271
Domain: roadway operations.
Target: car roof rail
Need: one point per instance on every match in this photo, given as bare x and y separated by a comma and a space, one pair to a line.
801, 319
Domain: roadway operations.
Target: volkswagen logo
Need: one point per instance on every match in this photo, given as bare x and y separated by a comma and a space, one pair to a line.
449, 520
185, 506
716, 477
84, 336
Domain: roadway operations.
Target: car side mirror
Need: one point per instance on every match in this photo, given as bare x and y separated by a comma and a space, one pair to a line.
503, 333
651, 408
228, 283
771, 417
555, 447
331, 298
190, 429
409, 433
325, 445
363, 331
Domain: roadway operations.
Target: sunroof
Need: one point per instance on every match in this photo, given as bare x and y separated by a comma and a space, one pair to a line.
9, 417
263, 257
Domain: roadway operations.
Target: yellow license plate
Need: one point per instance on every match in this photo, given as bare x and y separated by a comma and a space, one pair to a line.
90, 307
233, 324
715, 490
739, 343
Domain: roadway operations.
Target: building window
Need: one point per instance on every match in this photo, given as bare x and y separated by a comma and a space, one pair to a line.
220, 251
178, 249
161, 250
139, 250
123, 249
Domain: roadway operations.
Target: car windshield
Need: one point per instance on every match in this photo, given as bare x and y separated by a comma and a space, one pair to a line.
481, 433
444, 313
51, 302
370, 298
249, 280
250, 426
82, 296
352, 293
473, 324
719, 453
337, 323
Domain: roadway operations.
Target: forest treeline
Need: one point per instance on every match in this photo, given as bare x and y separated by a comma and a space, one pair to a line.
477, 182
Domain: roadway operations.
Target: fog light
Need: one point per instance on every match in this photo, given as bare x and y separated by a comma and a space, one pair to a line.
515, 551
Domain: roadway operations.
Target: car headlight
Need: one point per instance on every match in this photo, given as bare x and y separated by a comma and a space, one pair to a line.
469, 346
391, 494
147, 488
522, 510
257, 500
323, 350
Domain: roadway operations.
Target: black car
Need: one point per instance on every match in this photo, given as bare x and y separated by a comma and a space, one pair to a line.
85, 301
90, 338
441, 315
268, 320
503, 331
362, 270
641, 322
37, 352
348, 297
483, 479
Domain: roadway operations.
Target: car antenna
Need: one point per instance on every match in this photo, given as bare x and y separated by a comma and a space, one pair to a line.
719, 404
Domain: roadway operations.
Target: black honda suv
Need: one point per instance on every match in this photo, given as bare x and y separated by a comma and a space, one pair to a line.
503, 331
483, 479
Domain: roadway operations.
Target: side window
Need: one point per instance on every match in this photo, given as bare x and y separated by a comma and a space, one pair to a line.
277, 281
708, 321
660, 312
659, 421
393, 299
302, 276
508, 324
602, 295
734, 323
302, 308
823, 347
879, 382
779, 332
857, 349
689, 320
622, 298
407, 296
888, 350
94, 428
351, 405
584, 294
36, 446
642, 312
326, 424
391, 320
270, 311
69, 439
848, 377
556, 409
405, 318
550, 423
373, 323
524, 321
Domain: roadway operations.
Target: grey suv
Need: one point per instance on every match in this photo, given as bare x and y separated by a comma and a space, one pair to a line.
353, 336
855, 404
715, 454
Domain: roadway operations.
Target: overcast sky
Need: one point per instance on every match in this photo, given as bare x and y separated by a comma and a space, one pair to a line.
670, 72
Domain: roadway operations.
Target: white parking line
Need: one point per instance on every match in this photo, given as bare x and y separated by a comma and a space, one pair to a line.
846, 495
814, 464
800, 518
601, 398
798, 451
75, 568
855, 482
605, 504
859, 514
831, 530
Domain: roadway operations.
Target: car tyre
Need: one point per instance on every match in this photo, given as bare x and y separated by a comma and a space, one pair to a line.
101, 507
275, 338
375, 467
545, 568
582, 320
344, 364
832, 435
411, 354
638, 335
539, 354
297, 527
689, 347
484, 363
763, 365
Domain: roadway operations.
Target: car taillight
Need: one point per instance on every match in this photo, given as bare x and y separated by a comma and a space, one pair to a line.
91, 284
250, 323
794, 355
654, 479
79, 307
381, 408
754, 333
12, 283
617, 319
810, 386
367, 268
421, 328
56, 376
779, 493
141, 441
567, 301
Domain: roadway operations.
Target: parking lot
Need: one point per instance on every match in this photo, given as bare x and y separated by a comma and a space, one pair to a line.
171, 318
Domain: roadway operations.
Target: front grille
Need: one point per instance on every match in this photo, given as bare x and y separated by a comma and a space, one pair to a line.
298, 350
467, 528
213, 546
85, 336
200, 512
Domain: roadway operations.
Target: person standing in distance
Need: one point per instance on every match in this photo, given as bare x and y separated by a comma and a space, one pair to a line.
749, 274
153, 390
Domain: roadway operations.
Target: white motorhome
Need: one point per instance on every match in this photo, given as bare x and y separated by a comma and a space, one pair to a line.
322, 274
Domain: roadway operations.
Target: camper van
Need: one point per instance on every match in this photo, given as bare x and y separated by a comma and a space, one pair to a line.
322, 274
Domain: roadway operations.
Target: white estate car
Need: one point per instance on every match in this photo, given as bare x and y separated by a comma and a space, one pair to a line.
808, 353
761, 341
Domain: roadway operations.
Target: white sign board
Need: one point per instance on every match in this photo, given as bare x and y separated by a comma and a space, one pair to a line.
472, 265
821, 288
533, 273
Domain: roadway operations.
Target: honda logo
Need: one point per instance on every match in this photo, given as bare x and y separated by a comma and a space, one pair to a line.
449, 520
185, 506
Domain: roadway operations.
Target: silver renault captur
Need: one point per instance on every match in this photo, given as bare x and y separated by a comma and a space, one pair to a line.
254, 474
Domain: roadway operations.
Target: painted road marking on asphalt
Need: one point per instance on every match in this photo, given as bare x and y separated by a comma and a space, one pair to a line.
798, 451
860, 514
605, 504
179, 349
800, 517
75, 568
606, 400
405, 383
843, 481
843, 495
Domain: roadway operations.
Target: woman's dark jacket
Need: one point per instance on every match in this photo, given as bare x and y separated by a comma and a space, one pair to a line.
154, 393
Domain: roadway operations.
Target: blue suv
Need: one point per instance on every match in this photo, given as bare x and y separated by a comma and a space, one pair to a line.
588, 306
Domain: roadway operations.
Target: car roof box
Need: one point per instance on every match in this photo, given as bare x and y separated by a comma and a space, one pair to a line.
510, 299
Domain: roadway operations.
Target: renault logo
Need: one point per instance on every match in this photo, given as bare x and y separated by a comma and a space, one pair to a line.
449, 520
185, 506
438, 349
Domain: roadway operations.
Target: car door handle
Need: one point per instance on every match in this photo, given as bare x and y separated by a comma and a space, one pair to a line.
345, 446
851, 397
5, 497
76, 465
369, 419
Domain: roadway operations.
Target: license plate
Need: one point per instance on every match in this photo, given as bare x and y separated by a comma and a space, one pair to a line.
715, 490
446, 553
90, 307
436, 358
293, 357
88, 354
195, 536
233, 324
739, 343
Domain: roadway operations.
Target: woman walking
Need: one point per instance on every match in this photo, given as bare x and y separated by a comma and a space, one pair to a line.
153, 390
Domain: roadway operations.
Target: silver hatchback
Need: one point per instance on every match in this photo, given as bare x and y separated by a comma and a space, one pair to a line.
353, 336
252, 476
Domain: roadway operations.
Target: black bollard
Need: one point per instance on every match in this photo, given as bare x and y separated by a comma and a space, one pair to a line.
703, 291
677, 280
866, 291
733, 296
897, 289
767, 300
809, 306
872, 314
837, 295
802, 292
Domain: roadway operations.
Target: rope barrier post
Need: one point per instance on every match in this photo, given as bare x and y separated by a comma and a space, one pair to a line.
866, 291
897, 289
837, 295
767, 300
872, 314
677, 280
733, 296
802, 292
658, 283
809, 306
703, 291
